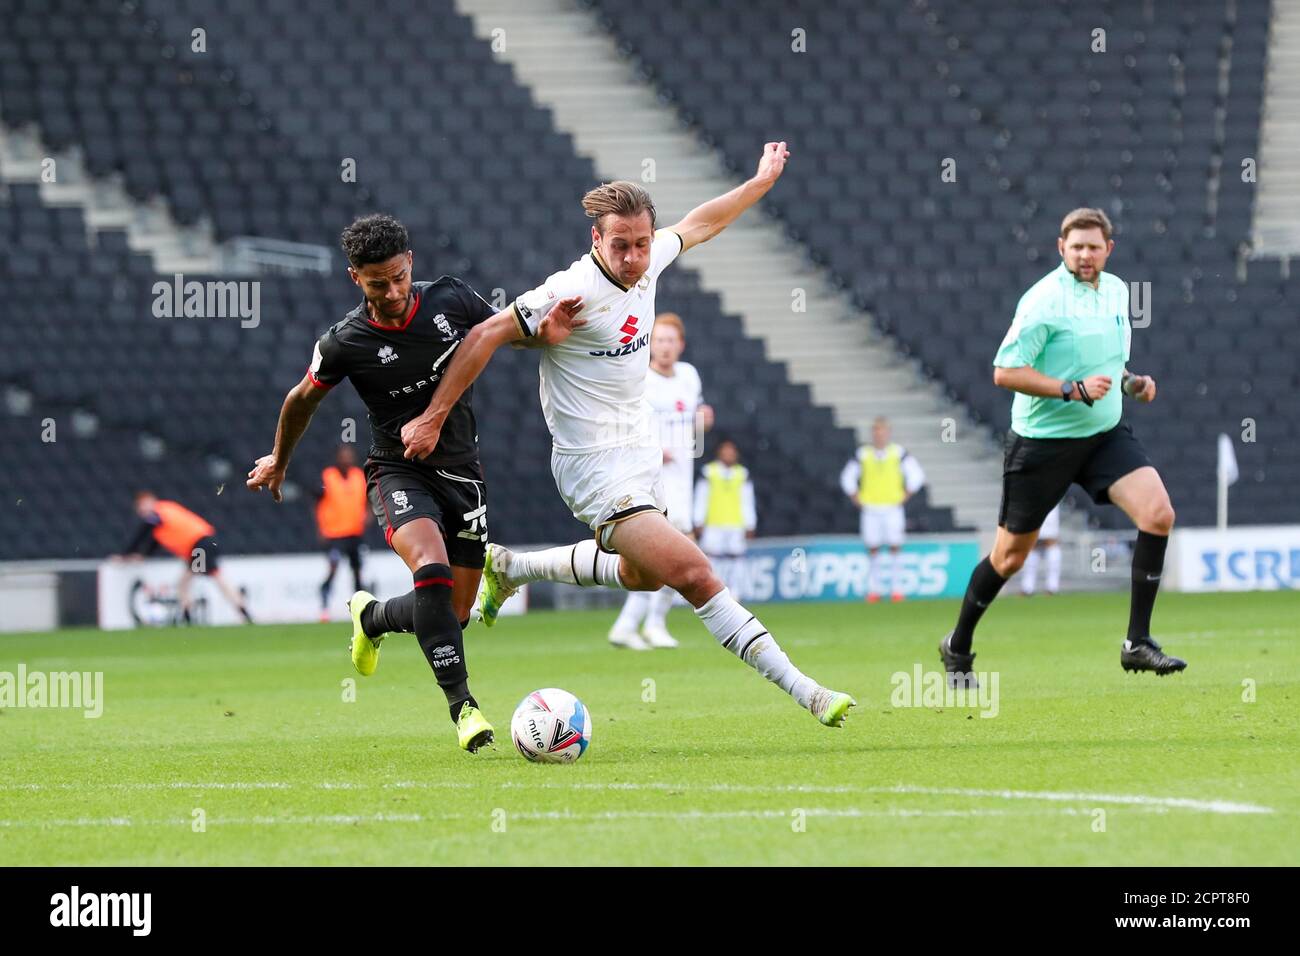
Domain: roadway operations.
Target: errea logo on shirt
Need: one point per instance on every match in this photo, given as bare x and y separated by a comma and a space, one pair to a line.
386, 354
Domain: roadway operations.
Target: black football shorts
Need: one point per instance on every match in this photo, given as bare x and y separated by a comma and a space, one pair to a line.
453, 496
1037, 472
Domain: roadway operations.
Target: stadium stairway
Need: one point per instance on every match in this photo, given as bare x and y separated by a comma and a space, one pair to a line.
1277, 213
576, 70
64, 182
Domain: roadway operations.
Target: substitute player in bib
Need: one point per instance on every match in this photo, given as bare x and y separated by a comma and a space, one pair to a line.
725, 513
673, 389
879, 479
606, 461
393, 347
1064, 357
341, 513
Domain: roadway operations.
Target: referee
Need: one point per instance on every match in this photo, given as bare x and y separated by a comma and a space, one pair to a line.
1064, 352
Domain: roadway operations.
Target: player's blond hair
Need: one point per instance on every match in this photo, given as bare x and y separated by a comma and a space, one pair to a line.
673, 319
621, 198
1085, 218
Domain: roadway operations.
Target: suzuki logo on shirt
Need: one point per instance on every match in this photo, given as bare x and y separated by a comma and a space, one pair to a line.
630, 341
633, 345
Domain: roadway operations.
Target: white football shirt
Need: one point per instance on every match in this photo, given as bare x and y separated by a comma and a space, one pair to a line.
674, 400
593, 383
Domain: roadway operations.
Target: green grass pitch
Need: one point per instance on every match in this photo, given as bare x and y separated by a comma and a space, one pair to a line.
236, 746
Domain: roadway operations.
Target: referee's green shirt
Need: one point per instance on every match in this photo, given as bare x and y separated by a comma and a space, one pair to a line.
1068, 330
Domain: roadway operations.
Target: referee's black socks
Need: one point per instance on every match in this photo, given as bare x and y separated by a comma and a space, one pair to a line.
439, 634
985, 583
1148, 565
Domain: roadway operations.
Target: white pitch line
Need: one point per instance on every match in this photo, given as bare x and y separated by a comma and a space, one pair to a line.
1174, 803
560, 815
1177, 803
150, 785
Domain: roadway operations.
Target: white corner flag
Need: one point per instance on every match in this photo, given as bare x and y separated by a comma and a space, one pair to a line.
1227, 460
1228, 474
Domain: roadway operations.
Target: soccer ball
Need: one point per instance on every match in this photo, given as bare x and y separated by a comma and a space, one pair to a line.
551, 726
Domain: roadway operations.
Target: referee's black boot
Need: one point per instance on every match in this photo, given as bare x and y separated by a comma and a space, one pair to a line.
1145, 655
959, 666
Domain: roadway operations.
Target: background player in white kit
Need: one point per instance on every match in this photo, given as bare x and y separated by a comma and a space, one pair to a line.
1049, 546
880, 478
673, 389
606, 461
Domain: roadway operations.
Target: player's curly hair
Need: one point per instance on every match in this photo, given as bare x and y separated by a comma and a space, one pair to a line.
374, 238
621, 198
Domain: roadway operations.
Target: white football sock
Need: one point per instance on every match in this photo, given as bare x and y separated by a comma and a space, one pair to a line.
1054, 568
657, 607
634, 611
1029, 573
744, 635
885, 562
582, 563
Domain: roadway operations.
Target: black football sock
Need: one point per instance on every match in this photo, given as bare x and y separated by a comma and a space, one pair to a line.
985, 583
439, 634
327, 584
395, 614
1148, 565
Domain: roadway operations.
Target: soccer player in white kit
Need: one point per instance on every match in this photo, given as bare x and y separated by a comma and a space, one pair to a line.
1049, 546
673, 389
606, 461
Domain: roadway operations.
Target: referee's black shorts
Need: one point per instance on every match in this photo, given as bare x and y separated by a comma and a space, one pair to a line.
1037, 472
453, 496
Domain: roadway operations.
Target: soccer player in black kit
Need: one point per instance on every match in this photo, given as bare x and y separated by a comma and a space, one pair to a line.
394, 347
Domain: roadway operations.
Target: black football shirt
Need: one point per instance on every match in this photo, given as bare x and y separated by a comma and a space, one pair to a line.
395, 370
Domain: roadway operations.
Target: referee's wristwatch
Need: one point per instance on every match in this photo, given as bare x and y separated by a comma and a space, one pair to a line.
1067, 391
